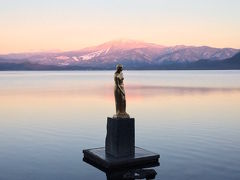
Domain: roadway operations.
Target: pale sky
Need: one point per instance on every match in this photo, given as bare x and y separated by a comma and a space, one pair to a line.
46, 25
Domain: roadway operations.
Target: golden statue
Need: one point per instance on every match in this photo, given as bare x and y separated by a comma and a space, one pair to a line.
119, 93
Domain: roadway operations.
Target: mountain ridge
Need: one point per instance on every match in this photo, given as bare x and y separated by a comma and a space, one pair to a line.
128, 52
227, 64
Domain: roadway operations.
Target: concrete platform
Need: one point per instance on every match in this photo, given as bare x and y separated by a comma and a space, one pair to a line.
103, 161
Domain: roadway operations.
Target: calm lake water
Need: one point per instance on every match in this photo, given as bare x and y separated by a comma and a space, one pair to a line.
191, 118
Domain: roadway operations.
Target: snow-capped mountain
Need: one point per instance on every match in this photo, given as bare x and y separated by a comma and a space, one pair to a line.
123, 51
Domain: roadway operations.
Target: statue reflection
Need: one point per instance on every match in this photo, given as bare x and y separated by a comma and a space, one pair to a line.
133, 173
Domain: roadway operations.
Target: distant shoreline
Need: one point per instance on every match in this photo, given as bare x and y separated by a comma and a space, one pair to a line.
114, 69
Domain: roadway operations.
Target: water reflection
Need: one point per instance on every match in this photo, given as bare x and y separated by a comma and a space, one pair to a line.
137, 172
106, 91
190, 117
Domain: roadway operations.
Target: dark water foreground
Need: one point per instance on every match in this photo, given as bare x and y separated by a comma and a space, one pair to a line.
191, 118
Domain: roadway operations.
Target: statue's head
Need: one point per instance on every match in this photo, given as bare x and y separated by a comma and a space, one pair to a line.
119, 67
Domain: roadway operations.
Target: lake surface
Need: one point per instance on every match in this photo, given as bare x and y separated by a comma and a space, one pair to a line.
191, 118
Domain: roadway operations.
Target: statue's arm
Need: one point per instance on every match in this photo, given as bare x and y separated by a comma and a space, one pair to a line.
120, 87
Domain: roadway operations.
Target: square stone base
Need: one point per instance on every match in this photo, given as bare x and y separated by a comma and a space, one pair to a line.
103, 161
120, 139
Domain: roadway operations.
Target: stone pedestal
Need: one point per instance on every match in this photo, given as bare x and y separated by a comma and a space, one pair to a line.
120, 139
100, 159
120, 152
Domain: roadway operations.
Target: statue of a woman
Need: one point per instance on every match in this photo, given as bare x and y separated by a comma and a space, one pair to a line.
119, 93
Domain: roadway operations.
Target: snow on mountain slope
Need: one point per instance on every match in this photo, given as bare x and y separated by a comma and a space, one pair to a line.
94, 54
196, 53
